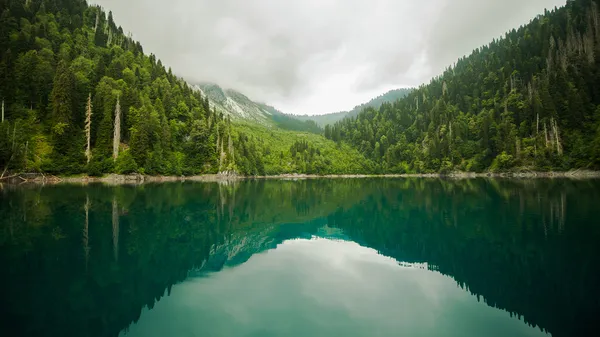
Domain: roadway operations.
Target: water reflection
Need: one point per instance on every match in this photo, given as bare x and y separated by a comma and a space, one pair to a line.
321, 287
86, 261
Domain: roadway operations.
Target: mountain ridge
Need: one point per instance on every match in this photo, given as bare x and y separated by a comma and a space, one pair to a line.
527, 101
333, 117
240, 108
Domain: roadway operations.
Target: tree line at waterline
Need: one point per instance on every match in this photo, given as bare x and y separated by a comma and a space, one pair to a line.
78, 95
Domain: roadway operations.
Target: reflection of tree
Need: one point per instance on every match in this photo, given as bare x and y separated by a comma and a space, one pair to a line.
46, 287
526, 247
115, 228
86, 231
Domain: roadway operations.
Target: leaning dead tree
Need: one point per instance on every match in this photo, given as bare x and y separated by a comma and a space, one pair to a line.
88, 128
117, 135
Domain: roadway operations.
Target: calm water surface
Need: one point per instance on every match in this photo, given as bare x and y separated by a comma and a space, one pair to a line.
362, 257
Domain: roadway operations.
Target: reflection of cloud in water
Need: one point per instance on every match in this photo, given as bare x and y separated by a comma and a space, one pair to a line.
321, 287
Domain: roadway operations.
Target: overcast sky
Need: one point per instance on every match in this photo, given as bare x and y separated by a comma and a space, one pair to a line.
316, 56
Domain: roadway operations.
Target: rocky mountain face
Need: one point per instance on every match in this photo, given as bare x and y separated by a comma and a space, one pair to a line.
235, 104
241, 108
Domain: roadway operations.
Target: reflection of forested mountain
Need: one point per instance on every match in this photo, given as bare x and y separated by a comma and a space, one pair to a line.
85, 261
530, 248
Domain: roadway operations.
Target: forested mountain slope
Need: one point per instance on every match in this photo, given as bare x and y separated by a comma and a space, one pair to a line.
80, 96
332, 118
528, 100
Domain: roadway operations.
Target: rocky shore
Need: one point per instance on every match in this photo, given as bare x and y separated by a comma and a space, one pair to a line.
135, 179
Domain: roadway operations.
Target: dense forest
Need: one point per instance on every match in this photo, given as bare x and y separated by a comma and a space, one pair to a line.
527, 101
79, 96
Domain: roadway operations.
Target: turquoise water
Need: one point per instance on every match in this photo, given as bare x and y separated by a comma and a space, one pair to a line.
361, 257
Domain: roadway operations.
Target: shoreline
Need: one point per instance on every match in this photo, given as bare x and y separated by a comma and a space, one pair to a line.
116, 179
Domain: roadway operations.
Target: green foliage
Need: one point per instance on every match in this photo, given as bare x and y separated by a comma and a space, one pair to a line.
289, 152
502, 162
527, 101
54, 57
125, 164
291, 123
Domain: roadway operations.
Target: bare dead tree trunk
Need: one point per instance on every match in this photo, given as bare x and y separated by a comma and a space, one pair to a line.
2, 111
230, 147
97, 20
221, 157
88, 128
117, 135
558, 144
551, 133
109, 41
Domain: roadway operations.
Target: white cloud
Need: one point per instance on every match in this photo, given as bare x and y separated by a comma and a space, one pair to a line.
316, 56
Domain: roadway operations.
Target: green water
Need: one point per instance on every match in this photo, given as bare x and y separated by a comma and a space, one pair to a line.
362, 257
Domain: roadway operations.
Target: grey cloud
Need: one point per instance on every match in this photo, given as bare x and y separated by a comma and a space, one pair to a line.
284, 51
464, 25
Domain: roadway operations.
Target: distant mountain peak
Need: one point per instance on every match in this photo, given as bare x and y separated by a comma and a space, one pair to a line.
332, 118
240, 108
234, 104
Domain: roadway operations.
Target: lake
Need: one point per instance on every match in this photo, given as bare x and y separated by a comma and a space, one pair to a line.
322, 257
